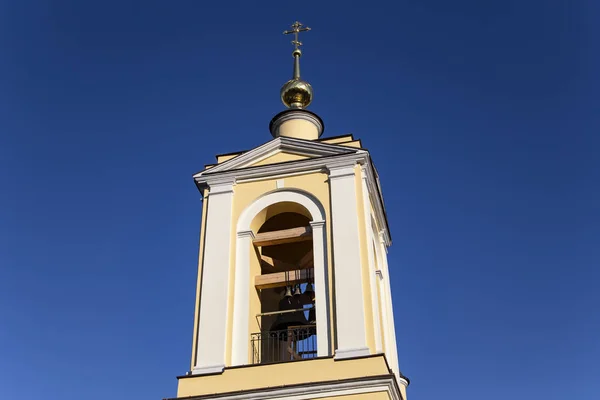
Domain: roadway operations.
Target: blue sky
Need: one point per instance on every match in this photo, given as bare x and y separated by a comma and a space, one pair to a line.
482, 118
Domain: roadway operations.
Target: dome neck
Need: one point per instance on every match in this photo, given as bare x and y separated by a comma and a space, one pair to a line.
298, 124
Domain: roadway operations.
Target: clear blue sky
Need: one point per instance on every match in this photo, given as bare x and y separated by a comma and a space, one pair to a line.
482, 118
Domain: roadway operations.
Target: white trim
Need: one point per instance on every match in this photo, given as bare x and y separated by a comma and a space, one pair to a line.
349, 302
387, 335
269, 177
212, 369
287, 144
391, 328
212, 324
240, 334
342, 171
402, 381
371, 257
241, 308
340, 354
269, 170
221, 188
315, 390
321, 281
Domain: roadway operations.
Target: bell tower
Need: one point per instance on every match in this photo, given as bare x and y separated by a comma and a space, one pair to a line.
293, 295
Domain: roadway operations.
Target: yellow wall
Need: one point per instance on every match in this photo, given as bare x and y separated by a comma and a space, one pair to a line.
272, 375
280, 157
355, 143
226, 157
338, 140
344, 141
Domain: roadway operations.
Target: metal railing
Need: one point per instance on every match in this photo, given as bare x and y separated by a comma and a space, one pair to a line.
292, 344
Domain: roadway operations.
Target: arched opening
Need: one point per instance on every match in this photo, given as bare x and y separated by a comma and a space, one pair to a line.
285, 287
281, 307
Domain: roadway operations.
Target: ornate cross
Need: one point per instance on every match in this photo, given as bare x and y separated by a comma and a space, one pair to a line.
297, 27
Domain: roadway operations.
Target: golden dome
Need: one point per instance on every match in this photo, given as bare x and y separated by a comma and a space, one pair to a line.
296, 93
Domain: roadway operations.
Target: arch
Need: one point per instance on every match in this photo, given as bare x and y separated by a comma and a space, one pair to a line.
306, 200
242, 284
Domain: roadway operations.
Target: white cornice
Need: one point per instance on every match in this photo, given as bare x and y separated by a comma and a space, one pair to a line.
315, 390
212, 177
290, 145
221, 187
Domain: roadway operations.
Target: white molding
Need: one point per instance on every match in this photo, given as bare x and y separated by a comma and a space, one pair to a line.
341, 171
341, 354
271, 170
240, 334
221, 188
321, 287
349, 303
290, 145
387, 335
214, 299
316, 390
245, 234
371, 257
317, 224
241, 309
402, 381
392, 354
212, 369
279, 176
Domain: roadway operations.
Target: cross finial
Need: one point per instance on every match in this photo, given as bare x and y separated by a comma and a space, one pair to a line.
297, 27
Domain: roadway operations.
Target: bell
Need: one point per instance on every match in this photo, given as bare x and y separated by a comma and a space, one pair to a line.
297, 291
308, 296
309, 288
288, 292
284, 321
310, 291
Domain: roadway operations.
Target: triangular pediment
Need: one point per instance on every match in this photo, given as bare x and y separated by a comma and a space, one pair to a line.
281, 150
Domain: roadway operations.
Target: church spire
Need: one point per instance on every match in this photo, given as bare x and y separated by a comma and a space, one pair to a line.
296, 93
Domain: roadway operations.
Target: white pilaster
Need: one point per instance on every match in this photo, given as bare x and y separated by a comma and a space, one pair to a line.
372, 278
387, 338
212, 329
350, 314
241, 309
322, 287
393, 352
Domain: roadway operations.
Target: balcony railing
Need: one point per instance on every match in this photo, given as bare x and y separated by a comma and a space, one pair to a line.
292, 344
